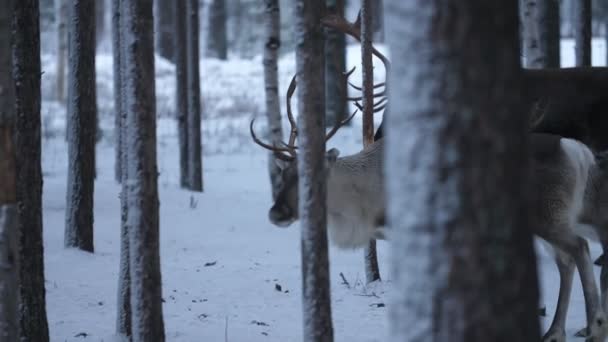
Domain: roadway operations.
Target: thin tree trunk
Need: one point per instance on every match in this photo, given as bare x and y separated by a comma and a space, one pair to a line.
195, 167
142, 171
164, 26
82, 113
541, 33
464, 266
335, 65
62, 47
272, 30
123, 314
372, 271
26, 75
217, 40
311, 168
181, 89
582, 31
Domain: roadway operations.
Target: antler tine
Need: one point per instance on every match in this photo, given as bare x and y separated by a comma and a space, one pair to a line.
376, 86
279, 152
292, 121
339, 124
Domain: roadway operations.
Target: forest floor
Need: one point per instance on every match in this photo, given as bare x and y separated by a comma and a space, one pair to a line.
228, 274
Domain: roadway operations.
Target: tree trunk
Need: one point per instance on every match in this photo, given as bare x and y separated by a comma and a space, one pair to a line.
164, 16
336, 106
26, 75
582, 31
181, 89
464, 266
311, 168
606, 38
372, 271
82, 112
142, 171
62, 47
217, 41
9, 259
100, 21
541, 35
272, 26
123, 314
195, 167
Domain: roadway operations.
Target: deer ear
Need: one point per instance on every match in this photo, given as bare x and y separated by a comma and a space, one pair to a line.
332, 156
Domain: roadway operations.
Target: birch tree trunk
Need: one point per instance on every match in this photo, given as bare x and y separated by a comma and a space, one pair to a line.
142, 171
82, 113
195, 167
311, 168
62, 46
336, 106
181, 88
462, 257
217, 40
372, 271
272, 30
26, 75
541, 33
582, 31
123, 314
164, 25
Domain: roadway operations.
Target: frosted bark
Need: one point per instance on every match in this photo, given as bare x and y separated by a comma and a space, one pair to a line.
26, 75
582, 31
372, 271
195, 167
181, 88
217, 40
82, 113
62, 46
335, 64
311, 168
142, 171
462, 256
541, 33
116, 56
164, 27
9, 293
272, 31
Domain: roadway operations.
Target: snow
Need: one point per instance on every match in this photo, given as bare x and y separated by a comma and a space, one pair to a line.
222, 261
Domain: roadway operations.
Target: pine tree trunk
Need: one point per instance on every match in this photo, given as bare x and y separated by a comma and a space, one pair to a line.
26, 75
195, 167
541, 38
582, 31
311, 168
272, 26
82, 113
164, 26
464, 266
217, 40
142, 171
62, 47
181, 89
123, 314
336, 106
372, 271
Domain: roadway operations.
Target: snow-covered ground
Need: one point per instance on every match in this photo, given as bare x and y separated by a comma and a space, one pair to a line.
228, 274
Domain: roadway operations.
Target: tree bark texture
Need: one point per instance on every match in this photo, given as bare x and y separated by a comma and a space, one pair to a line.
181, 88
336, 106
195, 167
82, 113
165, 16
142, 171
116, 58
217, 40
272, 30
462, 258
62, 46
26, 75
541, 33
311, 168
582, 31
9, 271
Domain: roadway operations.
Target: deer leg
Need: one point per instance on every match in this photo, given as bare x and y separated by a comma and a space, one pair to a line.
565, 266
